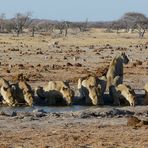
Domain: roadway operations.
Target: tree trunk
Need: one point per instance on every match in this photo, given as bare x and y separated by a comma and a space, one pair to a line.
33, 31
18, 32
141, 33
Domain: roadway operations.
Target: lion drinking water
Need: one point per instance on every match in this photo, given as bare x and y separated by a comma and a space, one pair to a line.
56, 92
22, 93
123, 91
145, 102
6, 92
91, 89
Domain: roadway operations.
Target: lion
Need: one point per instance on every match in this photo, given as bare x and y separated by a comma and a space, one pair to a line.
115, 72
23, 93
90, 90
6, 92
145, 102
123, 91
56, 93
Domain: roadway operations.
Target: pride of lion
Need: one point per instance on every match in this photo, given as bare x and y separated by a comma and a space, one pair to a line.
91, 89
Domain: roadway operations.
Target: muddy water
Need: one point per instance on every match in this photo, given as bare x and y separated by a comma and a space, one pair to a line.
46, 108
73, 108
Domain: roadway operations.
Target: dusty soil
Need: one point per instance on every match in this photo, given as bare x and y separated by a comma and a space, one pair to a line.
93, 127
73, 57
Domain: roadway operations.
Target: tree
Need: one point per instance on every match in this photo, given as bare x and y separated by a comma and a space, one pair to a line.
2, 22
136, 21
21, 21
83, 26
63, 27
117, 25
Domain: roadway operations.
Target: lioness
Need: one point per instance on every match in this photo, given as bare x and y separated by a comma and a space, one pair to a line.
115, 72
6, 92
123, 91
56, 93
22, 92
91, 90
145, 102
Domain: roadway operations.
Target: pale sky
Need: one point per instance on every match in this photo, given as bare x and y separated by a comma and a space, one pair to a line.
74, 10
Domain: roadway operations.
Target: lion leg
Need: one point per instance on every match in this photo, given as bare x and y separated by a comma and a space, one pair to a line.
109, 83
118, 80
116, 101
145, 101
101, 102
114, 95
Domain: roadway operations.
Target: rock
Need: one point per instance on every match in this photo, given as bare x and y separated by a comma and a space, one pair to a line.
9, 114
13, 114
78, 65
69, 64
39, 111
40, 115
134, 121
89, 114
106, 113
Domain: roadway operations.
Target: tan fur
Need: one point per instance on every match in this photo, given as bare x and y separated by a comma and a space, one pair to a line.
90, 90
23, 93
56, 91
123, 91
115, 71
6, 92
145, 102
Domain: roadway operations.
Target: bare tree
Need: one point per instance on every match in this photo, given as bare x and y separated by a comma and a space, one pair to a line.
21, 21
62, 27
83, 26
141, 28
117, 25
2, 22
33, 28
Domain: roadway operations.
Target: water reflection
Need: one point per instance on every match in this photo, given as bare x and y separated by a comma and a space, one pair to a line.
47, 109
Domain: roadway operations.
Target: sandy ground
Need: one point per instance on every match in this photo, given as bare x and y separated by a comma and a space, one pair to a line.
91, 128
71, 58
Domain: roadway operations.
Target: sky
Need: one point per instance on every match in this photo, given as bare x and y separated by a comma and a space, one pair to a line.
74, 10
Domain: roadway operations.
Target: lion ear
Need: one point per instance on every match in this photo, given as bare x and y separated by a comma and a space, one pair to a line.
64, 88
122, 53
90, 86
5, 88
118, 91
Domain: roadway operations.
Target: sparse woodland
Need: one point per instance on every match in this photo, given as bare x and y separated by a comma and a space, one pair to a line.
25, 23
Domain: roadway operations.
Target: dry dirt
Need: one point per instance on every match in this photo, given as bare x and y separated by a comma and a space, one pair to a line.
71, 58
90, 128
